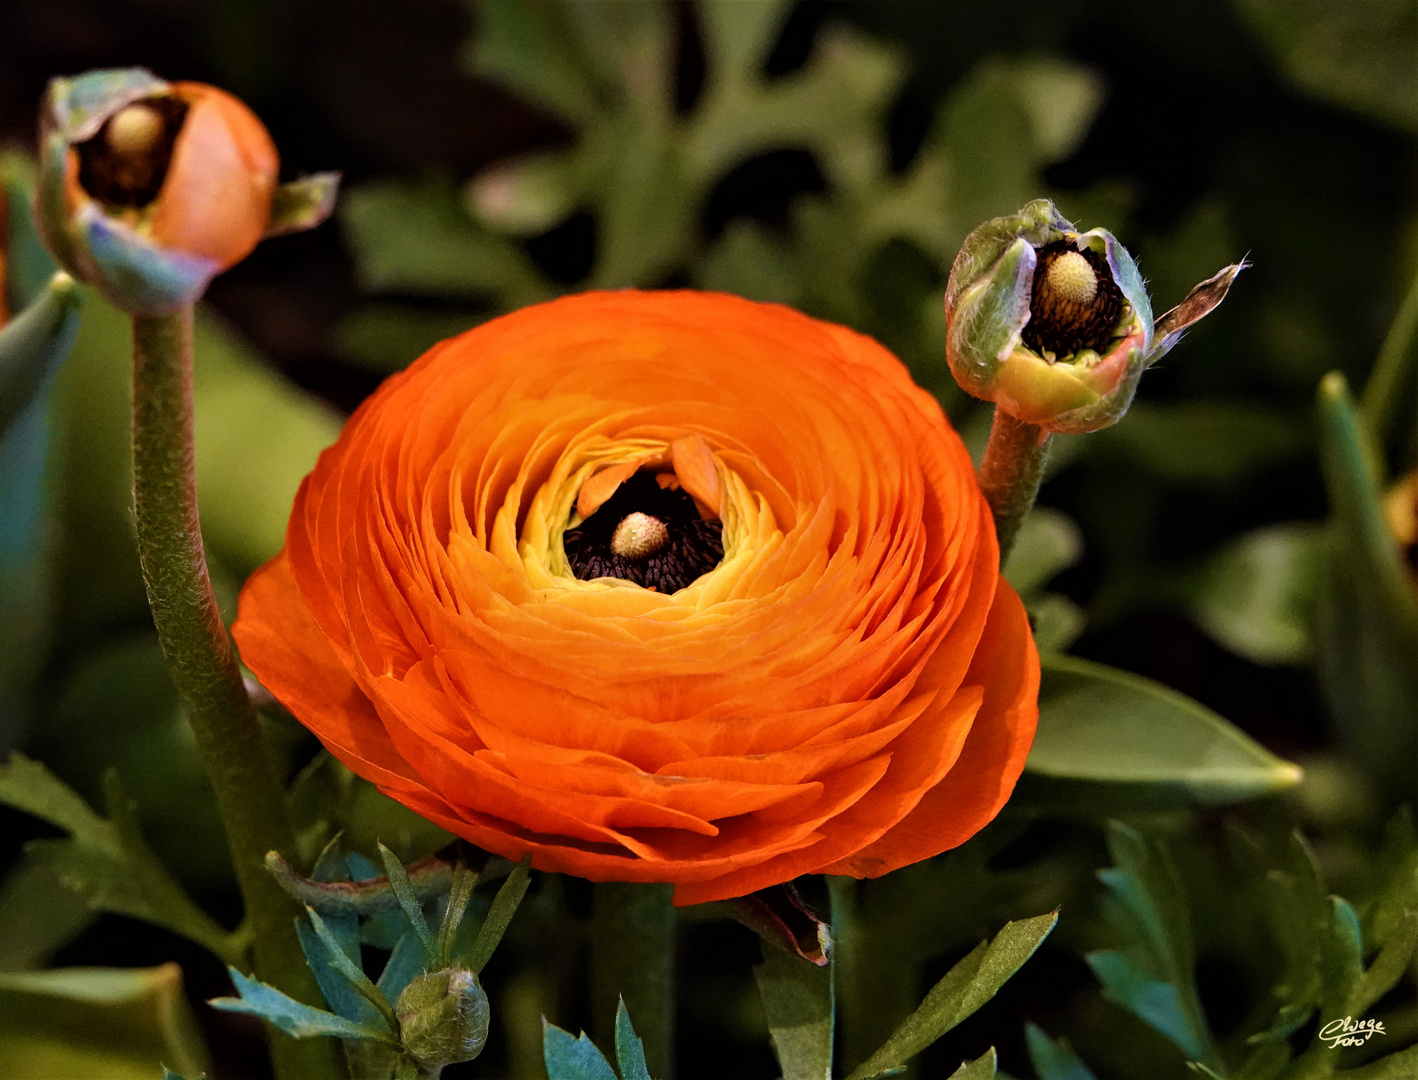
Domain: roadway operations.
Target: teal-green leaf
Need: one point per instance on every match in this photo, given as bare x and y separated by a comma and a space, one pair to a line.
1109, 735
34, 343
629, 1049
1054, 1059
294, 1018
1259, 595
569, 1058
1151, 975
798, 1003
965, 987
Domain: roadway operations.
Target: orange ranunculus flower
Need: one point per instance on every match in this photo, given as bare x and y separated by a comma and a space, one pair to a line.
821, 669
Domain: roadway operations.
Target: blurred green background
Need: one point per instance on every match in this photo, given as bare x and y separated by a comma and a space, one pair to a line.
829, 155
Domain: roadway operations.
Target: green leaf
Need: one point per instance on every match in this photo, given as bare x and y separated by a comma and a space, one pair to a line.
38, 915
1152, 975
1359, 55
629, 1049
408, 899
465, 881
1205, 443
349, 968
115, 1023
1048, 542
569, 1058
982, 1068
1369, 612
1259, 595
798, 1003
105, 859
420, 240
530, 49
1112, 737
965, 987
339, 995
1402, 1065
34, 343
738, 36
1054, 1059
295, 1019
499, 916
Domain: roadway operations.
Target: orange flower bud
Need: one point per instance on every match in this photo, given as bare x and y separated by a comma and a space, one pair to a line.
148, 189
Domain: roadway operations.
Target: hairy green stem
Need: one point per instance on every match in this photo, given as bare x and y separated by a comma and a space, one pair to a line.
199, 657
1011, 473
1386, 380
633, 957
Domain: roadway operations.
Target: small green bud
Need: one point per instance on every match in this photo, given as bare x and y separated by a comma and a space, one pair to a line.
443, 1018
1054, 325
1051, 324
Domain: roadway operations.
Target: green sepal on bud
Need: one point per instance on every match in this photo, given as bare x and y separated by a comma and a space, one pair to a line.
1054, 325
443, 1018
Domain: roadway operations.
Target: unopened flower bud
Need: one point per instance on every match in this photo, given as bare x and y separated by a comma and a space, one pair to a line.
148, 189
443, 1018
1054, 325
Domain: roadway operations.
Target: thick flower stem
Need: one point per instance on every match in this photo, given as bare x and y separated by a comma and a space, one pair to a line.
633, 957
1011, 473
199, 657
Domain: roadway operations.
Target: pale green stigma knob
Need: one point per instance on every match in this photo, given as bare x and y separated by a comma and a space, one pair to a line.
134, 129
1073, 278
638, 536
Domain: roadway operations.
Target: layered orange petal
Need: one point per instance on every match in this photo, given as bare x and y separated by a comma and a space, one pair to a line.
851, 688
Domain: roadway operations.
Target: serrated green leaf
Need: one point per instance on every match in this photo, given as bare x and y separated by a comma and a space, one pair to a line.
569, 1058
104, 860
291, 1016
1152, 975
529, 48
350, 969
1259, 595
418, 239
629, 1049
965, 987
38, 915
982, 1068
738, 36
1054, 1059
798, 1004
85, 1021
499, 915
1111, 736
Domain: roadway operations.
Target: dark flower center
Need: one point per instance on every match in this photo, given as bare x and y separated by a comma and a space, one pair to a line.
127, 161
1075, 304
647, 534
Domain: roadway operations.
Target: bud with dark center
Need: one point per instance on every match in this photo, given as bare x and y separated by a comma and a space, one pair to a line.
147, 189
1054, 325
647, 532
